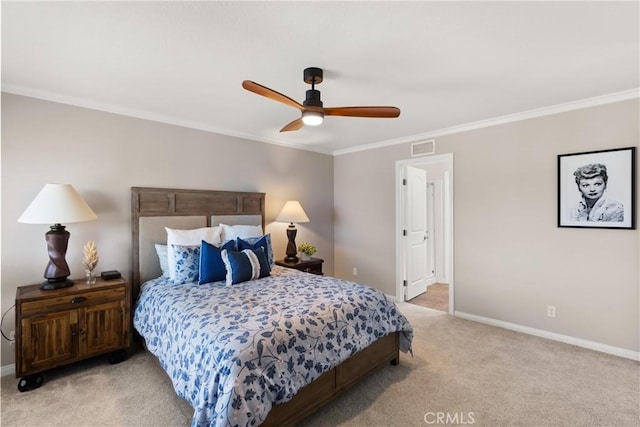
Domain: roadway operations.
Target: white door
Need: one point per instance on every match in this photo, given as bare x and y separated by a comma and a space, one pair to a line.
416, 239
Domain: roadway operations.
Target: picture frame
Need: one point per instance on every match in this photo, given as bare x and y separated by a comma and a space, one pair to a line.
597, 189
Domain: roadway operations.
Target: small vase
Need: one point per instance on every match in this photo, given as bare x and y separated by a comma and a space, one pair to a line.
90, 278
304, 257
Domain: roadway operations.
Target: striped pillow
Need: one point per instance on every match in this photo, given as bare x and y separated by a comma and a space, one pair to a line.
249, 264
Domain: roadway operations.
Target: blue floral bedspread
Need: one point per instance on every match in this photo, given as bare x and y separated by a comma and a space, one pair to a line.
234, 352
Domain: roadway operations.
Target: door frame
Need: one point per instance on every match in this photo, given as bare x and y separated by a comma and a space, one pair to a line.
431, 230
445, 160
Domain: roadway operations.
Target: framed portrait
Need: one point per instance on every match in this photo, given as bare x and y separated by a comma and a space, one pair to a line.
596, 189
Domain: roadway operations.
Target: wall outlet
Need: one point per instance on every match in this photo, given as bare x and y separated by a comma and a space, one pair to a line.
551, 311
12, 338
355, 271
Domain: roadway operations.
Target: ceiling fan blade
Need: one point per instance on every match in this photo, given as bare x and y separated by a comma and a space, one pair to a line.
294, 125
362, 111
270, 93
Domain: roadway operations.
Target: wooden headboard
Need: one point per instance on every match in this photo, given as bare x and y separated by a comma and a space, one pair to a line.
172, 203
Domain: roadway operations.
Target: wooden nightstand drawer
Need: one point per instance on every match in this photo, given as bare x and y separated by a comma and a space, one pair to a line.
313, 269
72, 301
313, 265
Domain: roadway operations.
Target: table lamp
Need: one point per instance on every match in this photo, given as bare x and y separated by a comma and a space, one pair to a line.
292, 212
57, 203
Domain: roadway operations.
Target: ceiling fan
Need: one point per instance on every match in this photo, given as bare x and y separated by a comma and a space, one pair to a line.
312, 110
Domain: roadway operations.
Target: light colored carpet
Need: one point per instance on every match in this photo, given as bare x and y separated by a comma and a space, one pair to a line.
462, 373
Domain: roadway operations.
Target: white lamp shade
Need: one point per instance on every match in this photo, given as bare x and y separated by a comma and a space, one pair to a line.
292, 212
56, 204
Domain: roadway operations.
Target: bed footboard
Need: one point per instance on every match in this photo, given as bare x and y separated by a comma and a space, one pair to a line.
332, 383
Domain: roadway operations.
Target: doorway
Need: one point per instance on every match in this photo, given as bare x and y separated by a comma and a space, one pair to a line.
419, 265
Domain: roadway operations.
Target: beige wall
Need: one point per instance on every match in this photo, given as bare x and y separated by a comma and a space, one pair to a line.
103, 155
511, 260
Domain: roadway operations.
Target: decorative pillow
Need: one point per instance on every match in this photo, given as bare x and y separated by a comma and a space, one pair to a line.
232, 232
187, 263
189, 238
250, 264
258, 242
161, 250
212, 267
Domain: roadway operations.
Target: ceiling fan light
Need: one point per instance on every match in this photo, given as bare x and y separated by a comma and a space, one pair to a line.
312, 118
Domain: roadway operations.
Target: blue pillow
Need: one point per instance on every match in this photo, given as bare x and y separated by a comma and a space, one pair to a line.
250, 264
187, 263
258, 242
212, 268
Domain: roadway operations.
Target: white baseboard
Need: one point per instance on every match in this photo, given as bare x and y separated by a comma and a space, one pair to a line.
604, 348
8, 370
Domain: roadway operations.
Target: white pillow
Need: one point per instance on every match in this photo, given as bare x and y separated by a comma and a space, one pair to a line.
189, 238
161, 250
231, 232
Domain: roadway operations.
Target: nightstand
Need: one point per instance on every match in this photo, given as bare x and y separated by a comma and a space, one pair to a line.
62, 326
313, 265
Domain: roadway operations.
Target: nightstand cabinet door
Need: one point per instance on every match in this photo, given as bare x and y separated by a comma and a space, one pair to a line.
47, 341
105, 328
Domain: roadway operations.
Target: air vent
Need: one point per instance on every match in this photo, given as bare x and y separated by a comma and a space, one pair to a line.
423, 148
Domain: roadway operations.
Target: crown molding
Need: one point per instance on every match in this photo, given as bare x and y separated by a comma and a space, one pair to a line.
145, 115
510, 118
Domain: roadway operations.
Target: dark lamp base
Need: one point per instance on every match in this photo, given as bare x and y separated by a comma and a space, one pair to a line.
56, 284
292, 251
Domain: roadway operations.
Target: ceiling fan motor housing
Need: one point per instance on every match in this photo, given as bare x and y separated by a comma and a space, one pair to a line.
312, 99
312, 76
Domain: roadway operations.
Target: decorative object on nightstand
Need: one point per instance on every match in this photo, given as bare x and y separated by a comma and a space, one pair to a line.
57, 203
89, 261
292, 212
306, 250
313, 265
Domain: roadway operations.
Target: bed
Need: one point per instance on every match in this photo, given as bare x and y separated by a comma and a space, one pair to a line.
267, 351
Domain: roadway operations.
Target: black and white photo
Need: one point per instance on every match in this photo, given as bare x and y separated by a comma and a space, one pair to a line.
596, 189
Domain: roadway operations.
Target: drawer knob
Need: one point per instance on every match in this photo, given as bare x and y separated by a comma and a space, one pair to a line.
78, 300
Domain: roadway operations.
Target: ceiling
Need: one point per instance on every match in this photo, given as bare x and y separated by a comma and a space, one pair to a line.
444, 64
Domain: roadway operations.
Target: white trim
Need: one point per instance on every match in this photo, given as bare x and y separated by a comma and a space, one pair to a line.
447, 195
400, 196
591, 345
146, 115
448, 220
516, 117
8, 370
